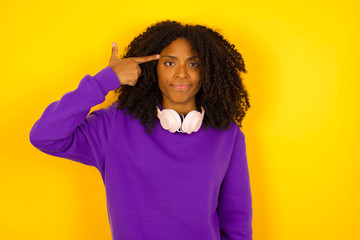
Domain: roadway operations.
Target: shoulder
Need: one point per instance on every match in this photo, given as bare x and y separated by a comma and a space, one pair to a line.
233, 130
108, 111
237, 134
109, 115
231, 137
113, 113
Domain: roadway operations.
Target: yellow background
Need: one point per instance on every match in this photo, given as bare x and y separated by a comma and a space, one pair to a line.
302, 130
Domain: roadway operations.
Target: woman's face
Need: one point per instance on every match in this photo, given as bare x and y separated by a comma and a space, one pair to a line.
178, 72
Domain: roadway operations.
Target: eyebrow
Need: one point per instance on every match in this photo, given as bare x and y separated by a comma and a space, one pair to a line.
170, 56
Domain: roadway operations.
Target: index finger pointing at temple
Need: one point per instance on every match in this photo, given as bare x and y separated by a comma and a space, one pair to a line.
146, 58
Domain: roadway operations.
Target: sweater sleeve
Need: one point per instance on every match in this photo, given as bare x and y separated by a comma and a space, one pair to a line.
235, 202
66, 130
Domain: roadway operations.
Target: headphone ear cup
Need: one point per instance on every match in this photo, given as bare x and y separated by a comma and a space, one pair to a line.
169, 120
192, 122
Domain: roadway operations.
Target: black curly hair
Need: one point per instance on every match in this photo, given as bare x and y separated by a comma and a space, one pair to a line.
222, 93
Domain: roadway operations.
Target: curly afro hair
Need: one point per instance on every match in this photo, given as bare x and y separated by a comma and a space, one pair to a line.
222, 93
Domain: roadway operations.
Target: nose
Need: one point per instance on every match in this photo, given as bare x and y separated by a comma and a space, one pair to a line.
181, 72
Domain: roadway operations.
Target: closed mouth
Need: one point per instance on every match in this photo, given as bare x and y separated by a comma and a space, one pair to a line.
180, 86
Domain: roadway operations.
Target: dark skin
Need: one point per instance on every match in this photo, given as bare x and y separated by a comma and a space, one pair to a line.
222, 93
179, 76
178, 71
127, 69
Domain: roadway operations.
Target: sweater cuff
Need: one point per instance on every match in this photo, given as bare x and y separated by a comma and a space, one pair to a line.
107, 79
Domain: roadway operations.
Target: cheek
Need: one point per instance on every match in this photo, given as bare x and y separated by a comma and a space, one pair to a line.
161, 72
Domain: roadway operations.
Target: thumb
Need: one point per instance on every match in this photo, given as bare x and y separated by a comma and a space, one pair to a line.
114, 52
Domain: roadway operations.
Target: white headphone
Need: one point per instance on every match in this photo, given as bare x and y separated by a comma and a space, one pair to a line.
171, 121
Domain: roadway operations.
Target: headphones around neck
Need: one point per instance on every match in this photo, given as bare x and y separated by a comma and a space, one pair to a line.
171, 121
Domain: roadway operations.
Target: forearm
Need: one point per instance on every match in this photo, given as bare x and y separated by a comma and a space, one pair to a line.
62, 117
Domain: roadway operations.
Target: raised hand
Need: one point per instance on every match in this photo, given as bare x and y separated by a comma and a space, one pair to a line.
127, 69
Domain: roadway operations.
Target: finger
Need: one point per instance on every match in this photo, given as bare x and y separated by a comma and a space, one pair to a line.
146, 58
139, 70
114, 52
132, 83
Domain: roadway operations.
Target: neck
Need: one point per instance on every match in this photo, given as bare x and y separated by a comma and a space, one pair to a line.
180, 108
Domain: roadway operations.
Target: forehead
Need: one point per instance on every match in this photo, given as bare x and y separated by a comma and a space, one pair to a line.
180, 46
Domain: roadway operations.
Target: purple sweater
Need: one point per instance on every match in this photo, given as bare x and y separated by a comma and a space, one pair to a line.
163, 186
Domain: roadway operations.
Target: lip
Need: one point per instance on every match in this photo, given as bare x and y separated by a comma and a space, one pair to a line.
181, 86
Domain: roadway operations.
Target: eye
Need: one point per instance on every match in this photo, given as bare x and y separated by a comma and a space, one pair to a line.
169, 63
194, 64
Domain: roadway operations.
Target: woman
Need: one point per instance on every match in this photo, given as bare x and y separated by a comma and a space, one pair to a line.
169, 150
